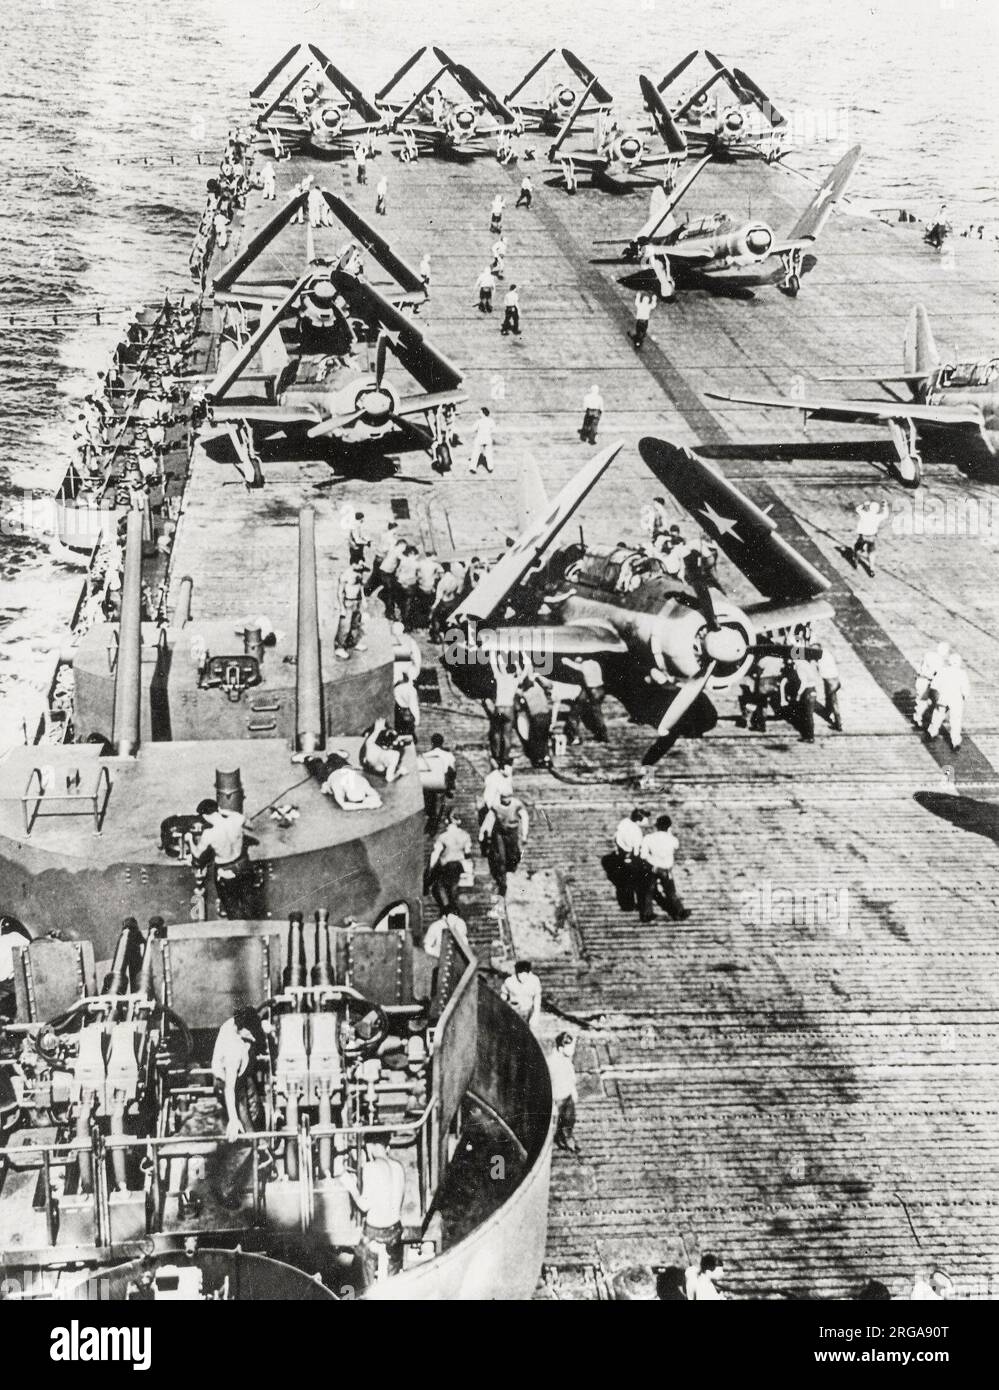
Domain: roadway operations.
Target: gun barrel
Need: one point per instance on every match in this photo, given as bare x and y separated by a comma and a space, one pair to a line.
309, 676
125, 722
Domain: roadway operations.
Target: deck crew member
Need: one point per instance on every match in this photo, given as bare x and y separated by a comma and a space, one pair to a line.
500, 708
628, 867
511, 312
590, 703
407, 659
565, 1092
452, 850
361, 161
382, 750
806, 680
870, 518
381, 196
438, 774
949, 690
498, 782
828, 670
699, 1280
522, 991
447, 596
405, 584
433, 937
658, 855
482, 443
593, 408
348, 788
233, 1072
504, 831
425, 271
644, 304
319, 209
407, 707
526, 195
931, 663
357, 541
267, 181
428, 571
485, 285
350, 597
499, 258
223, 841
388, 569
496, 214
532, 699
383, 1188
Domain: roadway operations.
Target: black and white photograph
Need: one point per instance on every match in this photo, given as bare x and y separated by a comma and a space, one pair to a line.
499, 640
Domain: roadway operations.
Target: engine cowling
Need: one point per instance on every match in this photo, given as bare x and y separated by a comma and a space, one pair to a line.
463, 120
732, 123
377, 404
332, 118
564, 97
628, 147
745, 246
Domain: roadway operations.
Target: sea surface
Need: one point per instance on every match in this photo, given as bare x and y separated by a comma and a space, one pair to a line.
106, 107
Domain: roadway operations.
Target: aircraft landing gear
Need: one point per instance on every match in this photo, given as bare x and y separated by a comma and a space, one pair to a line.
909, 467
791, 261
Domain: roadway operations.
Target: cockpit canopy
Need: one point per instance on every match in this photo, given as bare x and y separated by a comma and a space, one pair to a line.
970, 373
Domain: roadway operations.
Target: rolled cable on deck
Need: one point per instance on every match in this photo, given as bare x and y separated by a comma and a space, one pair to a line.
309, 735
128, 685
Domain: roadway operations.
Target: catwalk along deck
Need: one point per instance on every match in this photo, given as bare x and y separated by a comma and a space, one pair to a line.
811, 1089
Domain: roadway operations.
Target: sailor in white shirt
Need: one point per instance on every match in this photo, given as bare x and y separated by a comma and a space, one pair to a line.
628, 839
658, 854
593, 408
522, 991
699, 1280
482, 443
433, 938
928, 667
949, 691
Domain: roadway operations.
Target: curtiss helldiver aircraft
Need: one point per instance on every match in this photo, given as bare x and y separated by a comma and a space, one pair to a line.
315, 363
663, 642
547, 114
620, 156
726, 128
434, 123
308, 113
949, 402
718, 248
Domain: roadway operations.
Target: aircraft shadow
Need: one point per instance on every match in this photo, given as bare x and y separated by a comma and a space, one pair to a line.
964, 812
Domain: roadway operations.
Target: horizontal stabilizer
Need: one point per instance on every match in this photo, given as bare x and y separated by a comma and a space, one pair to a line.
745, 533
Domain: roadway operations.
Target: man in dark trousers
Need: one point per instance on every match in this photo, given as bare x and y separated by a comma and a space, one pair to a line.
447, 861
658, 854
511, 312
504, 830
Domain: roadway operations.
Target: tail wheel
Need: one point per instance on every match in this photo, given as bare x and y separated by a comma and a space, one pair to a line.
793, 285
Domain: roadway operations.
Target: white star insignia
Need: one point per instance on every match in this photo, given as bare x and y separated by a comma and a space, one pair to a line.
722, 524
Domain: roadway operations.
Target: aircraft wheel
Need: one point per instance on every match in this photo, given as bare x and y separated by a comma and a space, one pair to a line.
793, 286
909, 471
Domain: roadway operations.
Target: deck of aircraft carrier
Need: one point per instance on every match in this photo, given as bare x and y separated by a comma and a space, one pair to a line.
816, 1102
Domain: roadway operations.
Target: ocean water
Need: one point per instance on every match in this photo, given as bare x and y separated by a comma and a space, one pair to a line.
106, 108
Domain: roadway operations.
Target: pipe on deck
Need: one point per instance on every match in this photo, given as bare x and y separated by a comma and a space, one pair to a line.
309, 725
182, 608
128, 685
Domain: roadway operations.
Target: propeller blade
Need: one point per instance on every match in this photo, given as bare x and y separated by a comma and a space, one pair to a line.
381, 353
335, 422
687, 695
705, 602
226, 375
409, 63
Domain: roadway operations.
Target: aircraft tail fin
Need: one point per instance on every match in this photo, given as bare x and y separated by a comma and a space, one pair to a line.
815, 216
920, 355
